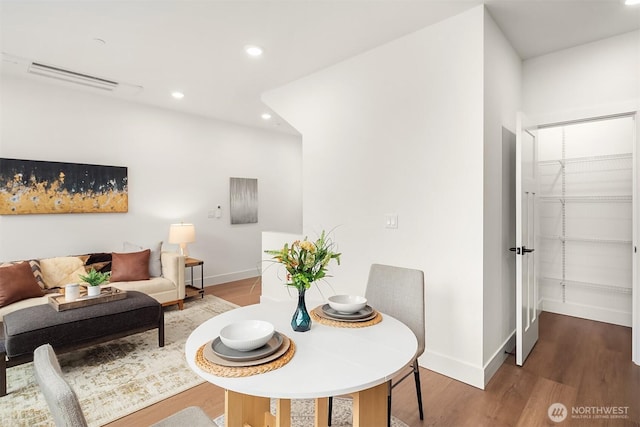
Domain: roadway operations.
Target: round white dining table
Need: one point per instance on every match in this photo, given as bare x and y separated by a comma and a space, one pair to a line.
328, 361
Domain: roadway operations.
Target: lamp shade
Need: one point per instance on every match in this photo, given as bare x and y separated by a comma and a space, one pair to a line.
182, 233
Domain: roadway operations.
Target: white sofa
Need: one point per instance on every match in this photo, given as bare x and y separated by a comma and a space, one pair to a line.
168, 288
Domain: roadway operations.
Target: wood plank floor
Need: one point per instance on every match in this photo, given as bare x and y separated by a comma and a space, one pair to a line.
582, 364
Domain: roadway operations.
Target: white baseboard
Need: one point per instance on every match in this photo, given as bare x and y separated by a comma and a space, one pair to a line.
467, 373
222, 278
587, 312
456, 369
498, 358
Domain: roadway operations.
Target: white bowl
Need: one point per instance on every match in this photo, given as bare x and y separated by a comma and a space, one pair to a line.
347, 303
246, 335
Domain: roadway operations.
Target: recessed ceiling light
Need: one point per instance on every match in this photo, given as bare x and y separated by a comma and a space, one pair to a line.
266, 116
253, 50
177, 95
632, 2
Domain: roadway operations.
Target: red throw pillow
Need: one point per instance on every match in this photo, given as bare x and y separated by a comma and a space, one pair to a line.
17, 283
130, 266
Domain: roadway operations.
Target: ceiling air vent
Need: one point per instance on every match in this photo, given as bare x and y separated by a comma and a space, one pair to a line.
72, 77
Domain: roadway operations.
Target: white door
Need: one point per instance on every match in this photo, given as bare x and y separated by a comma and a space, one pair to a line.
526, 231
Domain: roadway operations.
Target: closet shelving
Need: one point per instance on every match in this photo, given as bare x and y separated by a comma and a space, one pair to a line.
599, 286
587, 198
587, 239
607, 162
558, 169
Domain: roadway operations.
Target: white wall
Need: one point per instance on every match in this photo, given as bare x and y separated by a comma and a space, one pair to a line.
598, 75
399, 129
502, 100
179, 168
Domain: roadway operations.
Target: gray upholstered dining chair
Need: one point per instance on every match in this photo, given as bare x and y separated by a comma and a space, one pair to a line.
65, 407
399, 292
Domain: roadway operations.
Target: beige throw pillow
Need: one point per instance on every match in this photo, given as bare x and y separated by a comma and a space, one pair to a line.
61, 271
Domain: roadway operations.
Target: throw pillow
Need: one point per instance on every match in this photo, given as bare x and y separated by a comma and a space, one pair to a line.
37, 273
99, 262
100, 267
61, 271
17, 283
83, 258
129, 267
35, 269
155, 264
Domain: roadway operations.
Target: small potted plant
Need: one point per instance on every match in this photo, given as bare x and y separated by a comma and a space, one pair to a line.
94, 279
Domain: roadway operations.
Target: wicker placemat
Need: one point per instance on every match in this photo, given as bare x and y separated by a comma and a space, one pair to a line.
244, 371
317, 316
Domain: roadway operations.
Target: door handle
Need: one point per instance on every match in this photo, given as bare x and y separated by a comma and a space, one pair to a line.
521, 251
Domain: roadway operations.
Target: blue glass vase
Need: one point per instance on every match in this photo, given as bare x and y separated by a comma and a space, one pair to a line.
301, 321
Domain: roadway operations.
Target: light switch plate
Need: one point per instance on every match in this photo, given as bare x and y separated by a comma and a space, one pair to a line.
391, 221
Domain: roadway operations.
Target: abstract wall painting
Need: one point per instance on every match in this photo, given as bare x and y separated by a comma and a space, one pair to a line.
41, 187
244, 200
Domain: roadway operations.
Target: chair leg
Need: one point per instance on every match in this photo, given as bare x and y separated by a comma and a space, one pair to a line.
3, 374
329, 411
389, 410
416, 374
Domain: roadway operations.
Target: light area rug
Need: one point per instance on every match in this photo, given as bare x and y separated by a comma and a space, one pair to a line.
302, 414
118, 377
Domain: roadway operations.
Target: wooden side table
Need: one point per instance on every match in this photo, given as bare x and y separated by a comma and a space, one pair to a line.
192, 290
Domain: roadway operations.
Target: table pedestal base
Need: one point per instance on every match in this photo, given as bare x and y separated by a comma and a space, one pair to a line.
322, 412
282, 417
242, 410
370, 406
